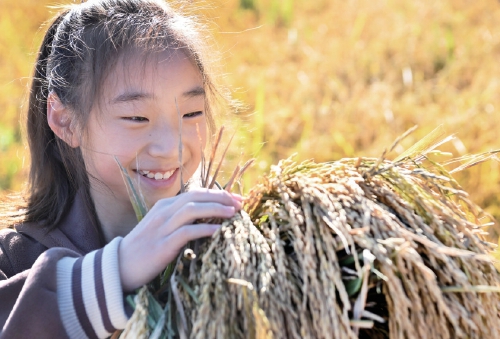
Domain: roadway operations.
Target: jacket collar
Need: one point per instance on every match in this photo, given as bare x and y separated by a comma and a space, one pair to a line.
75, 231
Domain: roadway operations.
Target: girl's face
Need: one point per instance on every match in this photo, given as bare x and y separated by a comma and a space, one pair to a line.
145, 107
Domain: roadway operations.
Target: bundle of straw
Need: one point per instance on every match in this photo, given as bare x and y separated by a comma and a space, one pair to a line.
356, 248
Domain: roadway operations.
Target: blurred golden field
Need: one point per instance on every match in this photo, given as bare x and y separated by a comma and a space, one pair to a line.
325, 78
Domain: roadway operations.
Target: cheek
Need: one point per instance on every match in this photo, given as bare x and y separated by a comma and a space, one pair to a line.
86, 149
99, 152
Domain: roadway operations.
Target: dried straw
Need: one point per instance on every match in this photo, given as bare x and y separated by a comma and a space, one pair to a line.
356, 248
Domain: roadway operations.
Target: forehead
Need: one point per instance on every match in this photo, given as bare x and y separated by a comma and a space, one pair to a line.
167, 72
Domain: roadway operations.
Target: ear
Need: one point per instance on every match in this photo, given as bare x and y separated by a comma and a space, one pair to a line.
60, 121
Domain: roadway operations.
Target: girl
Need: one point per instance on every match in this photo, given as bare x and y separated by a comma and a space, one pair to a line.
113, 78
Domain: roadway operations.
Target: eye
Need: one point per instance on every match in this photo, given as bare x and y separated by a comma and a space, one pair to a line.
193, 114
135, 119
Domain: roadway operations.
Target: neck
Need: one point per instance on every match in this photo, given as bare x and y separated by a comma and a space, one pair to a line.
117, 218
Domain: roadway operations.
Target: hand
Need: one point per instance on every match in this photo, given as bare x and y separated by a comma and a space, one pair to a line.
167, 227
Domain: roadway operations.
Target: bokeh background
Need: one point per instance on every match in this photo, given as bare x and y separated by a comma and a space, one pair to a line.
325, 79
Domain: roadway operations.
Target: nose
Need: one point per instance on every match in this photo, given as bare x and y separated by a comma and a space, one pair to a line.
164, 141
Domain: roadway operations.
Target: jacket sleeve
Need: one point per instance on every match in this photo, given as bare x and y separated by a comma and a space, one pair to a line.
64, 295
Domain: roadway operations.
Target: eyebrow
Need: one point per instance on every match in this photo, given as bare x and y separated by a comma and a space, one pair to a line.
131, 96
197, 91
137, 95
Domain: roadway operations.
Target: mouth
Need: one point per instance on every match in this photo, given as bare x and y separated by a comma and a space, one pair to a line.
157, 175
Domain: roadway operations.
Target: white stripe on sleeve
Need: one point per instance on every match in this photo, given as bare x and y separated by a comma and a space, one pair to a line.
89, 296
65, 298
112, 284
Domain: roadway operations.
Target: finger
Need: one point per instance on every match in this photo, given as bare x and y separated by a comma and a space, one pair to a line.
237, 197
188, 233
186, 208
192, 211
203, 195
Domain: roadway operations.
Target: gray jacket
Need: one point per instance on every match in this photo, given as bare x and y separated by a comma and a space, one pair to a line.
60, 284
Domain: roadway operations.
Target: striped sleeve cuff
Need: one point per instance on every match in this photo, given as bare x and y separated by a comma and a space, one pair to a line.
89, 293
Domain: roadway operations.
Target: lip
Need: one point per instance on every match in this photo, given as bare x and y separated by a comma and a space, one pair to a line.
163, 183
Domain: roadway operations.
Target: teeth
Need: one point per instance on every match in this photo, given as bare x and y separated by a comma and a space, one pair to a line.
168, 174
157, 175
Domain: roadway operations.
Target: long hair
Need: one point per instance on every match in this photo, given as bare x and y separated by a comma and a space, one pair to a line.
79, 49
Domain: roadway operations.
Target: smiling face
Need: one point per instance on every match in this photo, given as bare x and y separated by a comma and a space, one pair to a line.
137, 120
